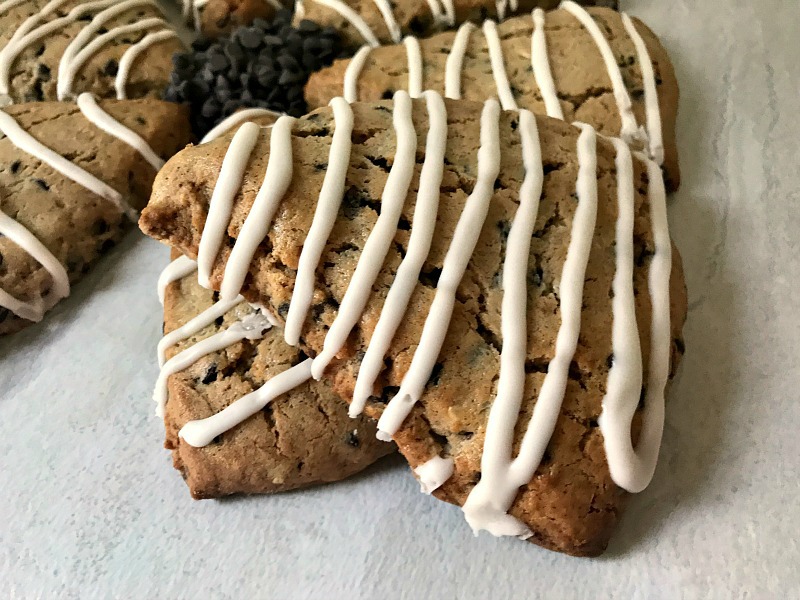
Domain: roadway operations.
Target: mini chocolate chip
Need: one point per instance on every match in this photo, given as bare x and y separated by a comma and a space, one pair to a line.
610, 361
42, 184
352, 439
44, 72
219, 321
211, 375
107, 245
15, 167
111, 68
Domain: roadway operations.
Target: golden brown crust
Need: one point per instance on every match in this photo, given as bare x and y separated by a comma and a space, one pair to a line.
220, 17
580, 75
302, 438
414, 16
33, 75
73, 223
571, 504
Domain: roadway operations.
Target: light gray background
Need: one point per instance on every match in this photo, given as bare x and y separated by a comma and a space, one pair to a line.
90, 505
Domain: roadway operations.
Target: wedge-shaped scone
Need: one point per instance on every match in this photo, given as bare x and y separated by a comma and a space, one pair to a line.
305, 437
376, 22
112, 48
214, 18
498, 288
72, 176
592, 65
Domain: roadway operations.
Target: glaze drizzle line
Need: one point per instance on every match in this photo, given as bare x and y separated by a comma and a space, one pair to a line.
540, 63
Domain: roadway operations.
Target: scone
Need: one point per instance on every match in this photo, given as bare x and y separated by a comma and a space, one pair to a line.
214, 18
592, 65
72, 177
376, 22
58, 49
404, 260
304, 437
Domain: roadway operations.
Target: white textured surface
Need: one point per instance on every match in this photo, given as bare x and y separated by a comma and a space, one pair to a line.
91, 507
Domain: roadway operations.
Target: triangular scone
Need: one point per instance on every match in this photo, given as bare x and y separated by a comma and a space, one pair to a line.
476, 164
303, 438
376, 22
592, 65
68, 189
112, 48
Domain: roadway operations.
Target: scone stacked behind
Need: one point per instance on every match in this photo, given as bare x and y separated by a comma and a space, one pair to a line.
439, 227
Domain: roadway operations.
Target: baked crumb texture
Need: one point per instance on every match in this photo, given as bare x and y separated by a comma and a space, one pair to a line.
570, 503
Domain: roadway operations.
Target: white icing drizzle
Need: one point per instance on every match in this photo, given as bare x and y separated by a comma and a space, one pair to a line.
501, 477
9, 4
219, 211
31, 31
388, 16
541, 67
632, 469
419, 243
80, 49
433, 473
450, 11
198, 323
380, 238
104, 121
455, 62
504, 5
330, 198
177, 269
458, 256
352, 72
251, 327
354, 18
27, 143
132, 53
498, 66
202, 432
235, 119
22, 237
630, 130
414, 54
652, 109
277, 178
437, 11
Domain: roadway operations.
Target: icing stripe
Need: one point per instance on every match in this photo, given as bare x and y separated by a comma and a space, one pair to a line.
498, 66
414, 54
30, 31
330, 198
504, 5
80, 49
251, 327
380, 238
633, 470
202, 432
104, 121
388, 17
450, 11
354, 18
197, 324
481, 506
27, 143
541, 67
132, 53
235, 119
436, 10
433, 473
652, 109
455, 62
458, 256
419, 243
69, 69
219, 212
352, 73
22, 237
277, 178
630, 130
175, 270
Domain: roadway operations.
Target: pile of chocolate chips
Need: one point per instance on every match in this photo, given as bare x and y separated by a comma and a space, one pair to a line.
264, 65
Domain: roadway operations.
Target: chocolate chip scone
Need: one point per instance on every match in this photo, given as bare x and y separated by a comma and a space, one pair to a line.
376, 22
592, 65
305, 437
214, 18
430, 244
71, 178
111, 48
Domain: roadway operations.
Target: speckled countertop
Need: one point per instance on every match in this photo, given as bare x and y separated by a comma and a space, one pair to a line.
90, 506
